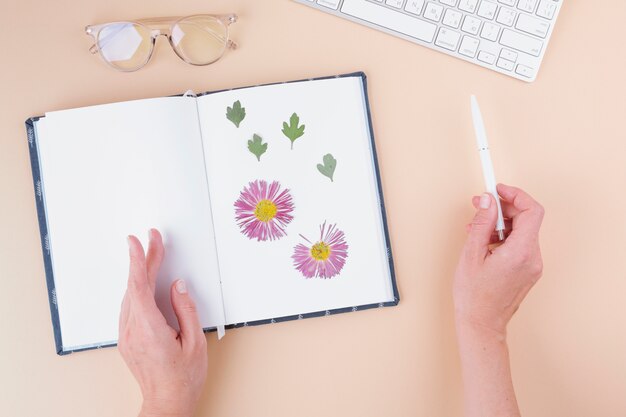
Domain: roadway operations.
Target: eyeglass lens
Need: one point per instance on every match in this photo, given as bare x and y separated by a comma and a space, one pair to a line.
199, 40
126, 46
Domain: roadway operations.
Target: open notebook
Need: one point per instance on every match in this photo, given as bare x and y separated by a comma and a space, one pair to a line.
268, 198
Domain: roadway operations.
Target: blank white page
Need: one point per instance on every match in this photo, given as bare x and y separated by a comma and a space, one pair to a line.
118, 169
258, 277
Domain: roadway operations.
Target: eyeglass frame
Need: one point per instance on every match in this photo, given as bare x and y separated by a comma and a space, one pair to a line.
162, 26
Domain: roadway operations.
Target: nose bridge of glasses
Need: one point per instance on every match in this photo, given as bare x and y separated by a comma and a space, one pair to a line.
155, 33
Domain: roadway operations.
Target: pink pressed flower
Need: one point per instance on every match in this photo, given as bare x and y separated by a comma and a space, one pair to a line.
323, 259
263, 211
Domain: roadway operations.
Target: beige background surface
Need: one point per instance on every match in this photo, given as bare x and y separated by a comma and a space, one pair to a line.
562, 138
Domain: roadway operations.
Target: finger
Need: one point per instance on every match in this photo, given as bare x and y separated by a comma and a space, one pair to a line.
528, 213
508, 226
140, 295
137, 275
186, 313
154, 257
508, 210
483, 225
519, 206
495, 238
124, 312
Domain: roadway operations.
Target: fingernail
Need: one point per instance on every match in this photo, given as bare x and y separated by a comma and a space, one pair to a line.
485, 201
128, 240
181, 287
150, 235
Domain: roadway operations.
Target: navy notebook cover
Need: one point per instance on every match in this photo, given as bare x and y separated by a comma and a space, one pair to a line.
45, 245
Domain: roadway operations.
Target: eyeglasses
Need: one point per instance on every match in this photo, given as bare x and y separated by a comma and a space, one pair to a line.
197, 40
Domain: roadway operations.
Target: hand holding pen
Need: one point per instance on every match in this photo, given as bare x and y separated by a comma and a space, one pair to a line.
489, 286
491, 282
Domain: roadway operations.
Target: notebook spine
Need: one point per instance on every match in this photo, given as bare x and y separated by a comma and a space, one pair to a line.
381, 199
31, 135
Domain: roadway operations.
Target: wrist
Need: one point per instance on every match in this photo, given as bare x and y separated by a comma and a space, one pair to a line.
157, 408
485, 366
471, 329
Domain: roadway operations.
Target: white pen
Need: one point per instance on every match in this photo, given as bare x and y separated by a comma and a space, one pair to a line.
485, 159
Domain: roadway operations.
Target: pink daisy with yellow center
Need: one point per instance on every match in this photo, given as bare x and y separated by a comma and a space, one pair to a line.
324, 258
263, 211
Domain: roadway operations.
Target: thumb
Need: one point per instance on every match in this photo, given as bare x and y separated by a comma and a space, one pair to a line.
483, 225
186, 313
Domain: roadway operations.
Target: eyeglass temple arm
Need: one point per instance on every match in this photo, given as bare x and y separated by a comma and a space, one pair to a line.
227, 19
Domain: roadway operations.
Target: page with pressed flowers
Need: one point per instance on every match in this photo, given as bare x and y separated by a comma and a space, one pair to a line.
117, 169
294, 199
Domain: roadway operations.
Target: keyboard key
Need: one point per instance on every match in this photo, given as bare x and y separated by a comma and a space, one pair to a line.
468, 5
471, 25
546, 9
469, 46
506, 16
521, 42
532, 25
448, 2
505, 64
394, 3
486, 57
391, 19
508, 54
487, 9
331, 4
414, 6
452, 18
527, 5
433, 11
448, 39
524, 71
507, 2
490, 31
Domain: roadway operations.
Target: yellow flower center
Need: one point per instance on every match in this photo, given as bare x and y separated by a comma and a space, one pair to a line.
320, 251
265, 210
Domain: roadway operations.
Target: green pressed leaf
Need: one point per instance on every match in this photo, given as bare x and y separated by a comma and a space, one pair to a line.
236, 113
328, 169
292, 130
256, 146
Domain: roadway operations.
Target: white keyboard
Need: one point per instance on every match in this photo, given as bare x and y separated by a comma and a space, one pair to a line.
507, 36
